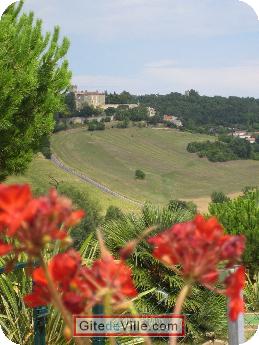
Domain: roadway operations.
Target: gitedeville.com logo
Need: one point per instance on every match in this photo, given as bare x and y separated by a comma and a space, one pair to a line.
128, 325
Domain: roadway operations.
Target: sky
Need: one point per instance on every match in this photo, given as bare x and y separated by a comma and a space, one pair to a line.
158, 46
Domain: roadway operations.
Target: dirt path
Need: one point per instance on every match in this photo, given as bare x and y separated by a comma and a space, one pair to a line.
55, 160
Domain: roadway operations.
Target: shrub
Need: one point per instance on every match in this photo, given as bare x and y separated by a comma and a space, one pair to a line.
113, 213
139, 174
219, 197
91, 207
176, 205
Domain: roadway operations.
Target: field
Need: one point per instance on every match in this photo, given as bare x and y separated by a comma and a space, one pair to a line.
112, 156
41, 173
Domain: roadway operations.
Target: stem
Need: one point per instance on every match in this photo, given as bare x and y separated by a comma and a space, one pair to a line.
58, 302
108, 311
134, 312
178, 307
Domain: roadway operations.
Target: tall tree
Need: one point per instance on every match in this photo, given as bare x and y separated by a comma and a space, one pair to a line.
33, 81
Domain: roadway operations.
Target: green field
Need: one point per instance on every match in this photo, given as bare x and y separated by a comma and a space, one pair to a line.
40, 176
112, 156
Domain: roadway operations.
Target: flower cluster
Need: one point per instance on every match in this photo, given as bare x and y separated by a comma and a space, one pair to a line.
81, 287
195, 250
199, 247
34, 222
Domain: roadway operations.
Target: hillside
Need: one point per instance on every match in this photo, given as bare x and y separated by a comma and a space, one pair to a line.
112, 156
41, 173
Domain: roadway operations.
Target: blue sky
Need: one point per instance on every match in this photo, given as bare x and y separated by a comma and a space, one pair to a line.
158, 46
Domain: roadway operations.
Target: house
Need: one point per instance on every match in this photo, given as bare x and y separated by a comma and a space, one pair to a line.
245, 135
95, 99
151, 111
174, 120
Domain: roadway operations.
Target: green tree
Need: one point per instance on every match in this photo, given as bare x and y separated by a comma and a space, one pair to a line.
33, 81
241, 216
139, 174
70, 100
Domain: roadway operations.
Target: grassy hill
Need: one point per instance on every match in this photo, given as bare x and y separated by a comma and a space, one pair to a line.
40, 176
112, 156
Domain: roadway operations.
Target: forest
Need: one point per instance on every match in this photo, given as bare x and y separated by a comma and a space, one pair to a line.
200, 113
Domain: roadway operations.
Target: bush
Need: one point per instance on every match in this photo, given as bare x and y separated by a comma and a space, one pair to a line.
219, 197
140, 175
113, 213
96, 126
176, 205
91, 207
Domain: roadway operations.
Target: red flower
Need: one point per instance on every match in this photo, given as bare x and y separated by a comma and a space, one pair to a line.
74, 302
63, 269
39, 297
235, 284
5, 248
53, 215
115, 276
15, 206
198, 247
35, 222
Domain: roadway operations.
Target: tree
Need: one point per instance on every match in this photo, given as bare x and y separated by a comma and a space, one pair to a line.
70, 100
139, 174
241, 216
33, 81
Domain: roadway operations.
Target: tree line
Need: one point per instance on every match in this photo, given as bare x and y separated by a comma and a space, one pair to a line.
200, 113
226, 148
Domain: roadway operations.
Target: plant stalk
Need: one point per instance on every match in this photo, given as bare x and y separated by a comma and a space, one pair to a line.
58, 302
178, 307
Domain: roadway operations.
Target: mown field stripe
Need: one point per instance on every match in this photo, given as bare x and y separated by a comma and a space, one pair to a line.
55, 160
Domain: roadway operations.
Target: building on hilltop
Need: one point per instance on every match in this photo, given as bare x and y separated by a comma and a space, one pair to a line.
174, 120
151, 112
95, 99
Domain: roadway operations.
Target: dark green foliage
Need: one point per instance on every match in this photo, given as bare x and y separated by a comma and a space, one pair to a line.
139, 174
70, 101
96, 126
135, 114
82, 200
241, 216
110, 111
123, 124
88, 111
113, 213
45, 147
33, 81
122, 98
200, 113
176, 205
225, 149
219, 197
